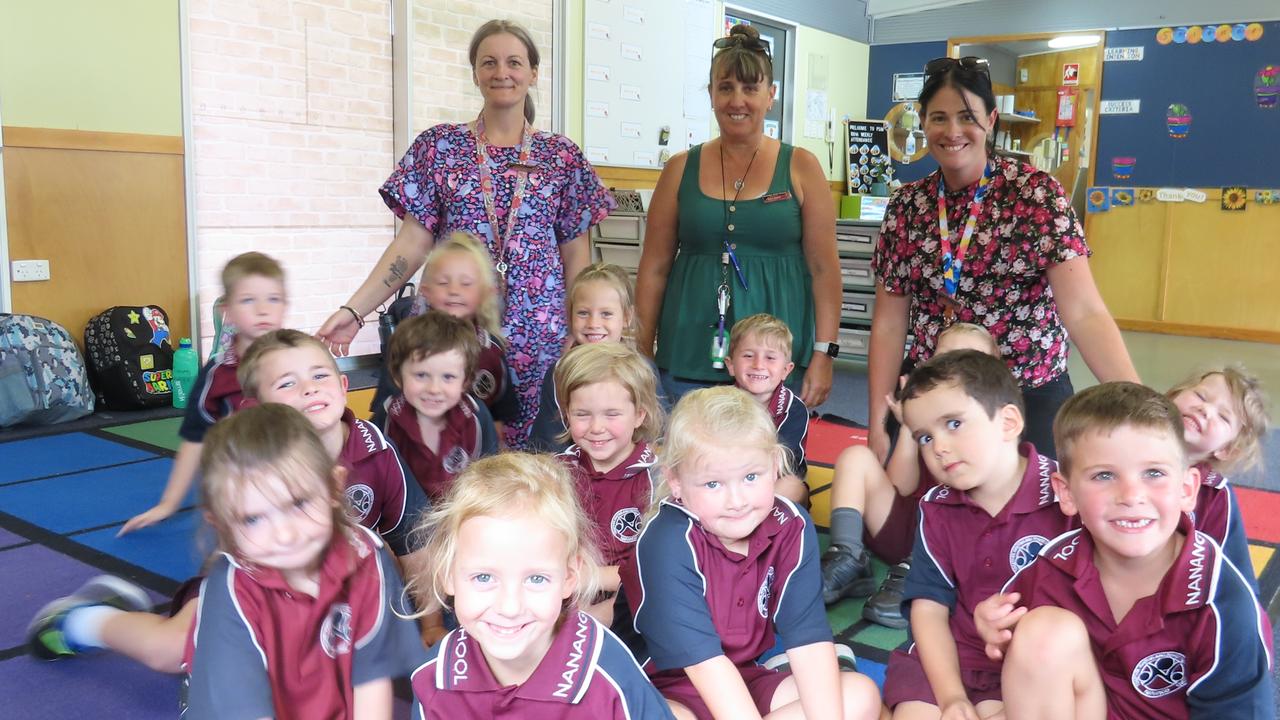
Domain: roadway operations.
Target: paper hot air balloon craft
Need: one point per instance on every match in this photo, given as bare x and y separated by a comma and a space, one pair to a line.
1266, 86
1179, 120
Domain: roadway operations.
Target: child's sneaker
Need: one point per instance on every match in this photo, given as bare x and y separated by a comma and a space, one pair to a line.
846, 575
845, 658
885, 607
45, 637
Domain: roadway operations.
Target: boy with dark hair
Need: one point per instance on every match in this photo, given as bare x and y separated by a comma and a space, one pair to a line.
990, 514
437, 425
1137, 614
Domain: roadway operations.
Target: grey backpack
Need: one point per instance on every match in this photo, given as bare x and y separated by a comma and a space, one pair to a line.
42, 374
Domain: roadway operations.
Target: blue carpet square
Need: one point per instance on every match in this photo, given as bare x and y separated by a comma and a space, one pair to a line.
170, 548
89, 499
56, 454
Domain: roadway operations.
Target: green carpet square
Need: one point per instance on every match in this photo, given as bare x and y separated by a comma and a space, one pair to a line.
160, 433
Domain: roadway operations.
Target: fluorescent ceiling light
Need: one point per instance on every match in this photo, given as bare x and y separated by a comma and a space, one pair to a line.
1074, 41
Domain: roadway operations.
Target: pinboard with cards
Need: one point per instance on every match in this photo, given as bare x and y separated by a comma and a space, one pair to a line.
869, 162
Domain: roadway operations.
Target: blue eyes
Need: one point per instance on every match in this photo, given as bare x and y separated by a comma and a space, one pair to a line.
751, 477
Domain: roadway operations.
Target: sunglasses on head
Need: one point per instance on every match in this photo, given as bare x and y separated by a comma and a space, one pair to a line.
970, 63
744, 41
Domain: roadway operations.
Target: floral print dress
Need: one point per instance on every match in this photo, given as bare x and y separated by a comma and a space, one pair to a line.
438, 183
1025, 227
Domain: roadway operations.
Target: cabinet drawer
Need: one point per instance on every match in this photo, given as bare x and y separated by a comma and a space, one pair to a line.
620, 227
857, 305
854, 342
626, 256
860, 242
856, 272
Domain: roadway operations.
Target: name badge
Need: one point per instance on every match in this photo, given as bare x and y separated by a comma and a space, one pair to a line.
777, 197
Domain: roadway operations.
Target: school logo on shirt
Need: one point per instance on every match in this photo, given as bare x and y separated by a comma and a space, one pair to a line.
766, 592
359, 502
456, 460
1025, 550
484, 385
335, 631
1160, 674
626, 525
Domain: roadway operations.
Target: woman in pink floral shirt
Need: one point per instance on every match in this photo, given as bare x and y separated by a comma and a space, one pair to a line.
1021, 271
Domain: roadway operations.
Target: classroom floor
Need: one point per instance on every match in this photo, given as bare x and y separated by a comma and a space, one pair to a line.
65, 491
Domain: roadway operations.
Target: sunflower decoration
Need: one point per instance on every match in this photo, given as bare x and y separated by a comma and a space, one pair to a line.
1146, 195
1234, 198
1121, 197
1098, 200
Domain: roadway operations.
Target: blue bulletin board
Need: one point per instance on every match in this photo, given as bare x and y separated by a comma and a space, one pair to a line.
1230, 140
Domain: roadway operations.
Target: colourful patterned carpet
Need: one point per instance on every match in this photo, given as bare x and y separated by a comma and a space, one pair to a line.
64, 495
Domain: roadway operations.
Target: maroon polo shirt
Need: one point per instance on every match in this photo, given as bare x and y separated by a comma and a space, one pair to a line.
616, 501
381, 492
1217, 515
215, 395
467, 430
259, 648
586, 674
791, 417
1198, 648
963, 556
695, 599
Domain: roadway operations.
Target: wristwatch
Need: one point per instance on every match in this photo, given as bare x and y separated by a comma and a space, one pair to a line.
829, 348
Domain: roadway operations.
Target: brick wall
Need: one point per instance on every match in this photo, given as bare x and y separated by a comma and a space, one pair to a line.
292, 127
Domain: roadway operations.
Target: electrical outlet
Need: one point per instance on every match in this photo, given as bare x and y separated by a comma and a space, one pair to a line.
30, 270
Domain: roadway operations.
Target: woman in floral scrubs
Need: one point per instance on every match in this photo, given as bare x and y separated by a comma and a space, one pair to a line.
1019, 264
439, 188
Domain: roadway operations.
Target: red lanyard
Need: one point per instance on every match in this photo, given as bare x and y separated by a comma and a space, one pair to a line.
499, 245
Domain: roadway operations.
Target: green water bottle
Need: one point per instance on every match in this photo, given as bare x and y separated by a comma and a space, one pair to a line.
186, 366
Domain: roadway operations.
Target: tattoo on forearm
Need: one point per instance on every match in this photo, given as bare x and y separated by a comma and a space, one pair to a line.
395, 275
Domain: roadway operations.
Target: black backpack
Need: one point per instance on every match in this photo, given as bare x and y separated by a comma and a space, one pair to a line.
129, 357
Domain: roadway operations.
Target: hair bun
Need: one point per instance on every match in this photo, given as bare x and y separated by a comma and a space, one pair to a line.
744, 29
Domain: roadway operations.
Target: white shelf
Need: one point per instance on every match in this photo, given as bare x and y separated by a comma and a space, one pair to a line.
1012, 119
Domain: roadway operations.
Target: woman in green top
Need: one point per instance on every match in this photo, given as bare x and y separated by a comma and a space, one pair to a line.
743, 219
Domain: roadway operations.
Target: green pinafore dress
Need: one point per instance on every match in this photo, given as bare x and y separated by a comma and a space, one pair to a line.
767, 240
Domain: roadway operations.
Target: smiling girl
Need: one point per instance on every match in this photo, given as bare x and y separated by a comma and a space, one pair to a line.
513, 560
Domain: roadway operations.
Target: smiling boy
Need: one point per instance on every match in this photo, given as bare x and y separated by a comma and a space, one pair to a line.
1137, 615
759, 363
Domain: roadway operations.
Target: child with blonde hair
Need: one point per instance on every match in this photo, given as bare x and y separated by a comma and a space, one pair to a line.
759, 362
601, 306
609, 394
1224, 418
296, 585
723, 564
514, 560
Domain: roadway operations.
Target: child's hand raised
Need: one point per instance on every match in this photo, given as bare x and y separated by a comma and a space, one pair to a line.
995, 618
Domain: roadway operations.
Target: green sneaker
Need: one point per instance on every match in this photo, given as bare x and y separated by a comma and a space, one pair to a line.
45, 637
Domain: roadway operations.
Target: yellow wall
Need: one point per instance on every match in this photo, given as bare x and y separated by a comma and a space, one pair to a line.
91, 96
91, 65
1190, 268
848, 63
